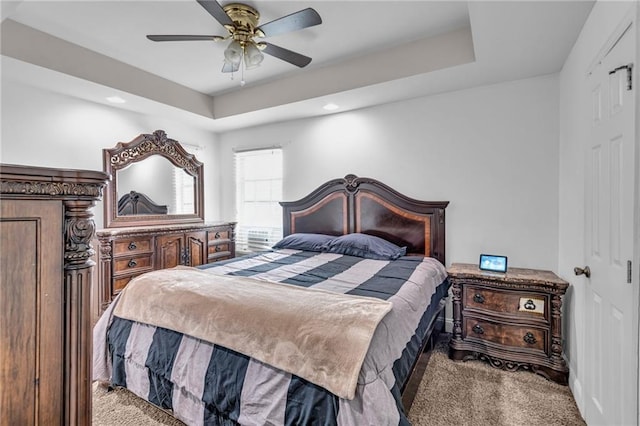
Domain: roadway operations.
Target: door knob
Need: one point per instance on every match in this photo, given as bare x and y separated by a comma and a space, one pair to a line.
582, 271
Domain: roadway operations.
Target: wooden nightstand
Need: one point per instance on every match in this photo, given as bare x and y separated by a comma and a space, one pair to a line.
513, 320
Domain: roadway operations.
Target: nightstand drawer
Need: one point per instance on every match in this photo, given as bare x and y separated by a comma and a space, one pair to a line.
505, 302
505, 334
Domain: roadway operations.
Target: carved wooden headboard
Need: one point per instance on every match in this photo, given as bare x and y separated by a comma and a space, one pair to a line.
359, 204
138, 203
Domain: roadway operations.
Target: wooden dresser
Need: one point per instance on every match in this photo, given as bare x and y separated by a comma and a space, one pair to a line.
513, 320
128, 252
45, 281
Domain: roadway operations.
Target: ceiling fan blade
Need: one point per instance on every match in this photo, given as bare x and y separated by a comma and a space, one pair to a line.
184, 37
215, 10
296, 21
229, 67
286, 55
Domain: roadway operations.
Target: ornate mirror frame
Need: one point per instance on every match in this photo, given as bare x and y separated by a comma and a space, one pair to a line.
144, 146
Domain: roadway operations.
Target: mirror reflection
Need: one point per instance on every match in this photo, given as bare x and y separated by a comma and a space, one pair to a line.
155, 186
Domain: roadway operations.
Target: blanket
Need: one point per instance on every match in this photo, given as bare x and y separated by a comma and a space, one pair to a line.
318, 335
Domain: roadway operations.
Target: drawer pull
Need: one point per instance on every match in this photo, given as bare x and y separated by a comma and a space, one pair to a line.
217, 235
132, 246
529, 338
478, 329
478, 298
529, 305
132, 263
218, 248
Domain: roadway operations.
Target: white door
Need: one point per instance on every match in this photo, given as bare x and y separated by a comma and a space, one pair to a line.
611, 334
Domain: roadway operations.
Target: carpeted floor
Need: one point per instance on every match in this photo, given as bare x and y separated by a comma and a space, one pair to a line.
473, 393
451, 393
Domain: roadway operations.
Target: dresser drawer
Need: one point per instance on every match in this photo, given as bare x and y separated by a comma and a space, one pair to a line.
219, 252
132, 245
132, 264
120, 283
219, 248
219, 234
516, 336
505, 302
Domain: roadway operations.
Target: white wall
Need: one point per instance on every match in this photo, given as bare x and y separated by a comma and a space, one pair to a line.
43, 128
491, 151
575, 105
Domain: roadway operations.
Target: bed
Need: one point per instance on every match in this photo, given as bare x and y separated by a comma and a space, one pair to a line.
207, 382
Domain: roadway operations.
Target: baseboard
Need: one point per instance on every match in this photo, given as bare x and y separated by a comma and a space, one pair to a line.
576, 388
448, 325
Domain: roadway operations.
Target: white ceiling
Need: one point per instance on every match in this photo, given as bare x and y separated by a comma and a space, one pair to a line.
364, 53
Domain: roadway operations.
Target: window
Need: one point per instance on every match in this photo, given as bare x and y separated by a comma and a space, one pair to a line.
258, 191
183, 191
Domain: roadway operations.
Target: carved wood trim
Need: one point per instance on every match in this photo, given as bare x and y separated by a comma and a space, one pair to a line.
149, 144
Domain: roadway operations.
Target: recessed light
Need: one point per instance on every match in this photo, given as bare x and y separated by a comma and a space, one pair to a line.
331, 107
116, 100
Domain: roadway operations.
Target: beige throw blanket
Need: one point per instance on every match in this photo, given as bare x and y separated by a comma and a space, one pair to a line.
320, 336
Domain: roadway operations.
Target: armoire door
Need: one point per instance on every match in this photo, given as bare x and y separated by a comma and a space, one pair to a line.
31, 313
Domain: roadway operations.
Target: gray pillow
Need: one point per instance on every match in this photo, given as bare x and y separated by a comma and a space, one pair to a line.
303, 241
367, 246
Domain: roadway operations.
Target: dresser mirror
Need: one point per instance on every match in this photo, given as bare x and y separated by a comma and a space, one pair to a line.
154, 181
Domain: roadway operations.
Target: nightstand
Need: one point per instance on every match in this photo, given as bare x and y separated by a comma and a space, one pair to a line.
513, 320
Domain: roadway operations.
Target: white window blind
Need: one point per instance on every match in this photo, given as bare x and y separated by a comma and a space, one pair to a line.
258, 191
183, 185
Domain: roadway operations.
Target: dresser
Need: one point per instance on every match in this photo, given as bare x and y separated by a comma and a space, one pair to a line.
126, 253
513, 320
46, 229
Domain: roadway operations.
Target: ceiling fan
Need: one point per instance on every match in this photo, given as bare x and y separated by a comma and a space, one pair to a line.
241, 21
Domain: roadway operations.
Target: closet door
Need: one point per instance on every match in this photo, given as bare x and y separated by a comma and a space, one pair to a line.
31, 307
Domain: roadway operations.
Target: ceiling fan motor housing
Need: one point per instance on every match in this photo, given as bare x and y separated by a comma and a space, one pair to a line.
245, 19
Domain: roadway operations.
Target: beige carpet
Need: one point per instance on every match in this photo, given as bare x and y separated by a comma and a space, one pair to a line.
473, 393
451, 393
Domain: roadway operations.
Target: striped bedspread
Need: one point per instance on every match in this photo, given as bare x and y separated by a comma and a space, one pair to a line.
207, 384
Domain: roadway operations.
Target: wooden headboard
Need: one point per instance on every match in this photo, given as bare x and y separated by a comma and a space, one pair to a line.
359, 204
137, 203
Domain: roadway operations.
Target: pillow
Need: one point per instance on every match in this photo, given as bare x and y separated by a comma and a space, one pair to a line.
367, 246
302, 241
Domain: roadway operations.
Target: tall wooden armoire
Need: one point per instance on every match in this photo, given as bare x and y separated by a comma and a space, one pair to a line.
46, 227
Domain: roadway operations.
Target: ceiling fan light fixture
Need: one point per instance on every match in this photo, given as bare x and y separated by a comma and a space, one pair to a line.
252, 56
241, 22
233, 53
